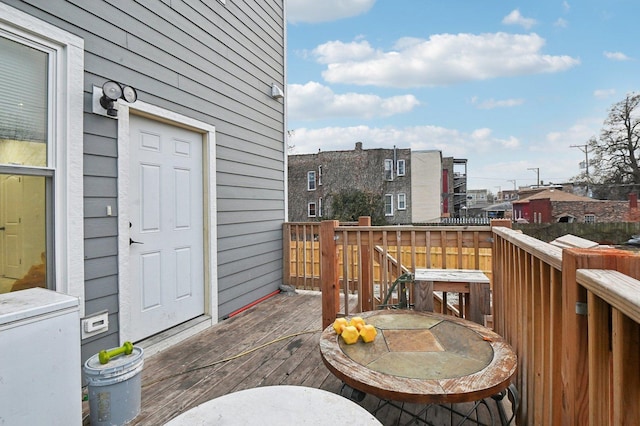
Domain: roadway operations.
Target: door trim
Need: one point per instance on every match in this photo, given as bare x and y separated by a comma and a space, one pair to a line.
209, 200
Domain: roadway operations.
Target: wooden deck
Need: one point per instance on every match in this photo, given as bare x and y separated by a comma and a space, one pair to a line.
273, 343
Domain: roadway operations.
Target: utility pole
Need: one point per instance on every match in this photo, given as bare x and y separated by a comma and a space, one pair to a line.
537, 170
514, 183
584, 148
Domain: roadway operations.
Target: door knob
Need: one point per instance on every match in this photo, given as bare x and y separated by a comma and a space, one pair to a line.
134, 242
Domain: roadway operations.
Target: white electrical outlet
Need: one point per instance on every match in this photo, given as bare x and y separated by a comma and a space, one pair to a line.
95, 324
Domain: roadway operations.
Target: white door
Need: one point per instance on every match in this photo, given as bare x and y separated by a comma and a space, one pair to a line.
11, 229
166, 229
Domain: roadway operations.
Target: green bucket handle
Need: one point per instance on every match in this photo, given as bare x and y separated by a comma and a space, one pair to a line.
104, 356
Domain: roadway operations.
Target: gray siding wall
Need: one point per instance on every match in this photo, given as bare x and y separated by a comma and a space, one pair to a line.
208, 61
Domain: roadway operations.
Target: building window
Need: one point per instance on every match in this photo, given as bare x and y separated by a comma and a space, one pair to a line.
311, 209
319, 175
589, 218
388, 169
319, 207
41, 109
311, 181
388, 205
401, 168
402, 201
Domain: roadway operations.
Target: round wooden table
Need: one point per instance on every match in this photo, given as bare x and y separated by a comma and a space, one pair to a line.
277, 406
422, 357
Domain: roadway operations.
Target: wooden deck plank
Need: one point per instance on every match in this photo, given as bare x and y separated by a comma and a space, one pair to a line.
170, 387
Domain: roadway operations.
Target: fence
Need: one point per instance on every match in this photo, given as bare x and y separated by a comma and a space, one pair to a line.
574, 328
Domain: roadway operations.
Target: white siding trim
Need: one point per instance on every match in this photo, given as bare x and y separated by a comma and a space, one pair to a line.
210, 221
68, 161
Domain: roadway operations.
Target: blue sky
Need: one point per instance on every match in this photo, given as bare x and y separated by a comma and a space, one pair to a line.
508, 85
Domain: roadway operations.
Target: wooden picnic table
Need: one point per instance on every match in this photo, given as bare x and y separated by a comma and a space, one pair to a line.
472, 284
422, 357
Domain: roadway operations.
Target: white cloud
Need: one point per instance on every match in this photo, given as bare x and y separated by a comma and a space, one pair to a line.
337, 51
315, 101
452, 142
616, 56
515, 18
492, 103
313, 11
561, 23
443, 59
566, 6
604, 93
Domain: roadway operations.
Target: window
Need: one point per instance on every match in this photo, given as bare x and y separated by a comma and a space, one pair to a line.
40, 156
388, 169
319, 175
388, 205
319, 207
589, 218
401, 168
311, 209
402, 201
311, 181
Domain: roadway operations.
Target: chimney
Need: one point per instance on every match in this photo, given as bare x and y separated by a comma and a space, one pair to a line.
358, 146
633, 201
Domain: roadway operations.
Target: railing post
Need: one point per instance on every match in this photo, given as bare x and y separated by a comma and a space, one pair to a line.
366, 278
575, 356
329, 284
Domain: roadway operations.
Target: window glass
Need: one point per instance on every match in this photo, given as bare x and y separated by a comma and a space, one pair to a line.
388, 205
388, 169
402, 201
312, 210
311, 181
23, 104
24, 207
22, 232
400, 167
589, 218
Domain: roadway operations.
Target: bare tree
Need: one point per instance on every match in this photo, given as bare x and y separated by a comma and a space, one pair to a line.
615, 165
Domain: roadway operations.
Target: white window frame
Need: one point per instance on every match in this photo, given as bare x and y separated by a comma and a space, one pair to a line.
401, 169
402, 201
309, 180
388, 169
315, 208
389, 198
319, 175
65, 144
590, 218
319, 207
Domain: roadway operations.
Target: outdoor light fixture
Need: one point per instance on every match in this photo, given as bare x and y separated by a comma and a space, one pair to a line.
111, 92
276, 92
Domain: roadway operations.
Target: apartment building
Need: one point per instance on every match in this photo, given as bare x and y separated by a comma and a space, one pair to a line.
410, 183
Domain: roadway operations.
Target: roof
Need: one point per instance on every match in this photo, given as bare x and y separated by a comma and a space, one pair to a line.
554, 195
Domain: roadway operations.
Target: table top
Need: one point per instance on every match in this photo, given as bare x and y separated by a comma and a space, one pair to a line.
422, 357
276, 406
451, 275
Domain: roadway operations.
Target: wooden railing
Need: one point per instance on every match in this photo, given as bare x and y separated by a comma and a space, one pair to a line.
571, 314
574, 326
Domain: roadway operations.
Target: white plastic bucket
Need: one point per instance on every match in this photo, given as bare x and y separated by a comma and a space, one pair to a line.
114, 388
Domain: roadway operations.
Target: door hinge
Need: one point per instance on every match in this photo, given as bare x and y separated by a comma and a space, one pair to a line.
581, 308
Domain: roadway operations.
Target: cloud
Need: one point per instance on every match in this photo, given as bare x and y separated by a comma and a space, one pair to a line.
604, 93
451, 142
315, 101
561, 23
616, 56
515, 18
443, 59
566, 6
492, 103
313, 11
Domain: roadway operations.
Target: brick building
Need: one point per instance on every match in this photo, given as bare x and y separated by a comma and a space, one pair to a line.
554, 205
409, 182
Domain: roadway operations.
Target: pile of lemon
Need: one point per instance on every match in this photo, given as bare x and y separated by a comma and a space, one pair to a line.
354, 329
